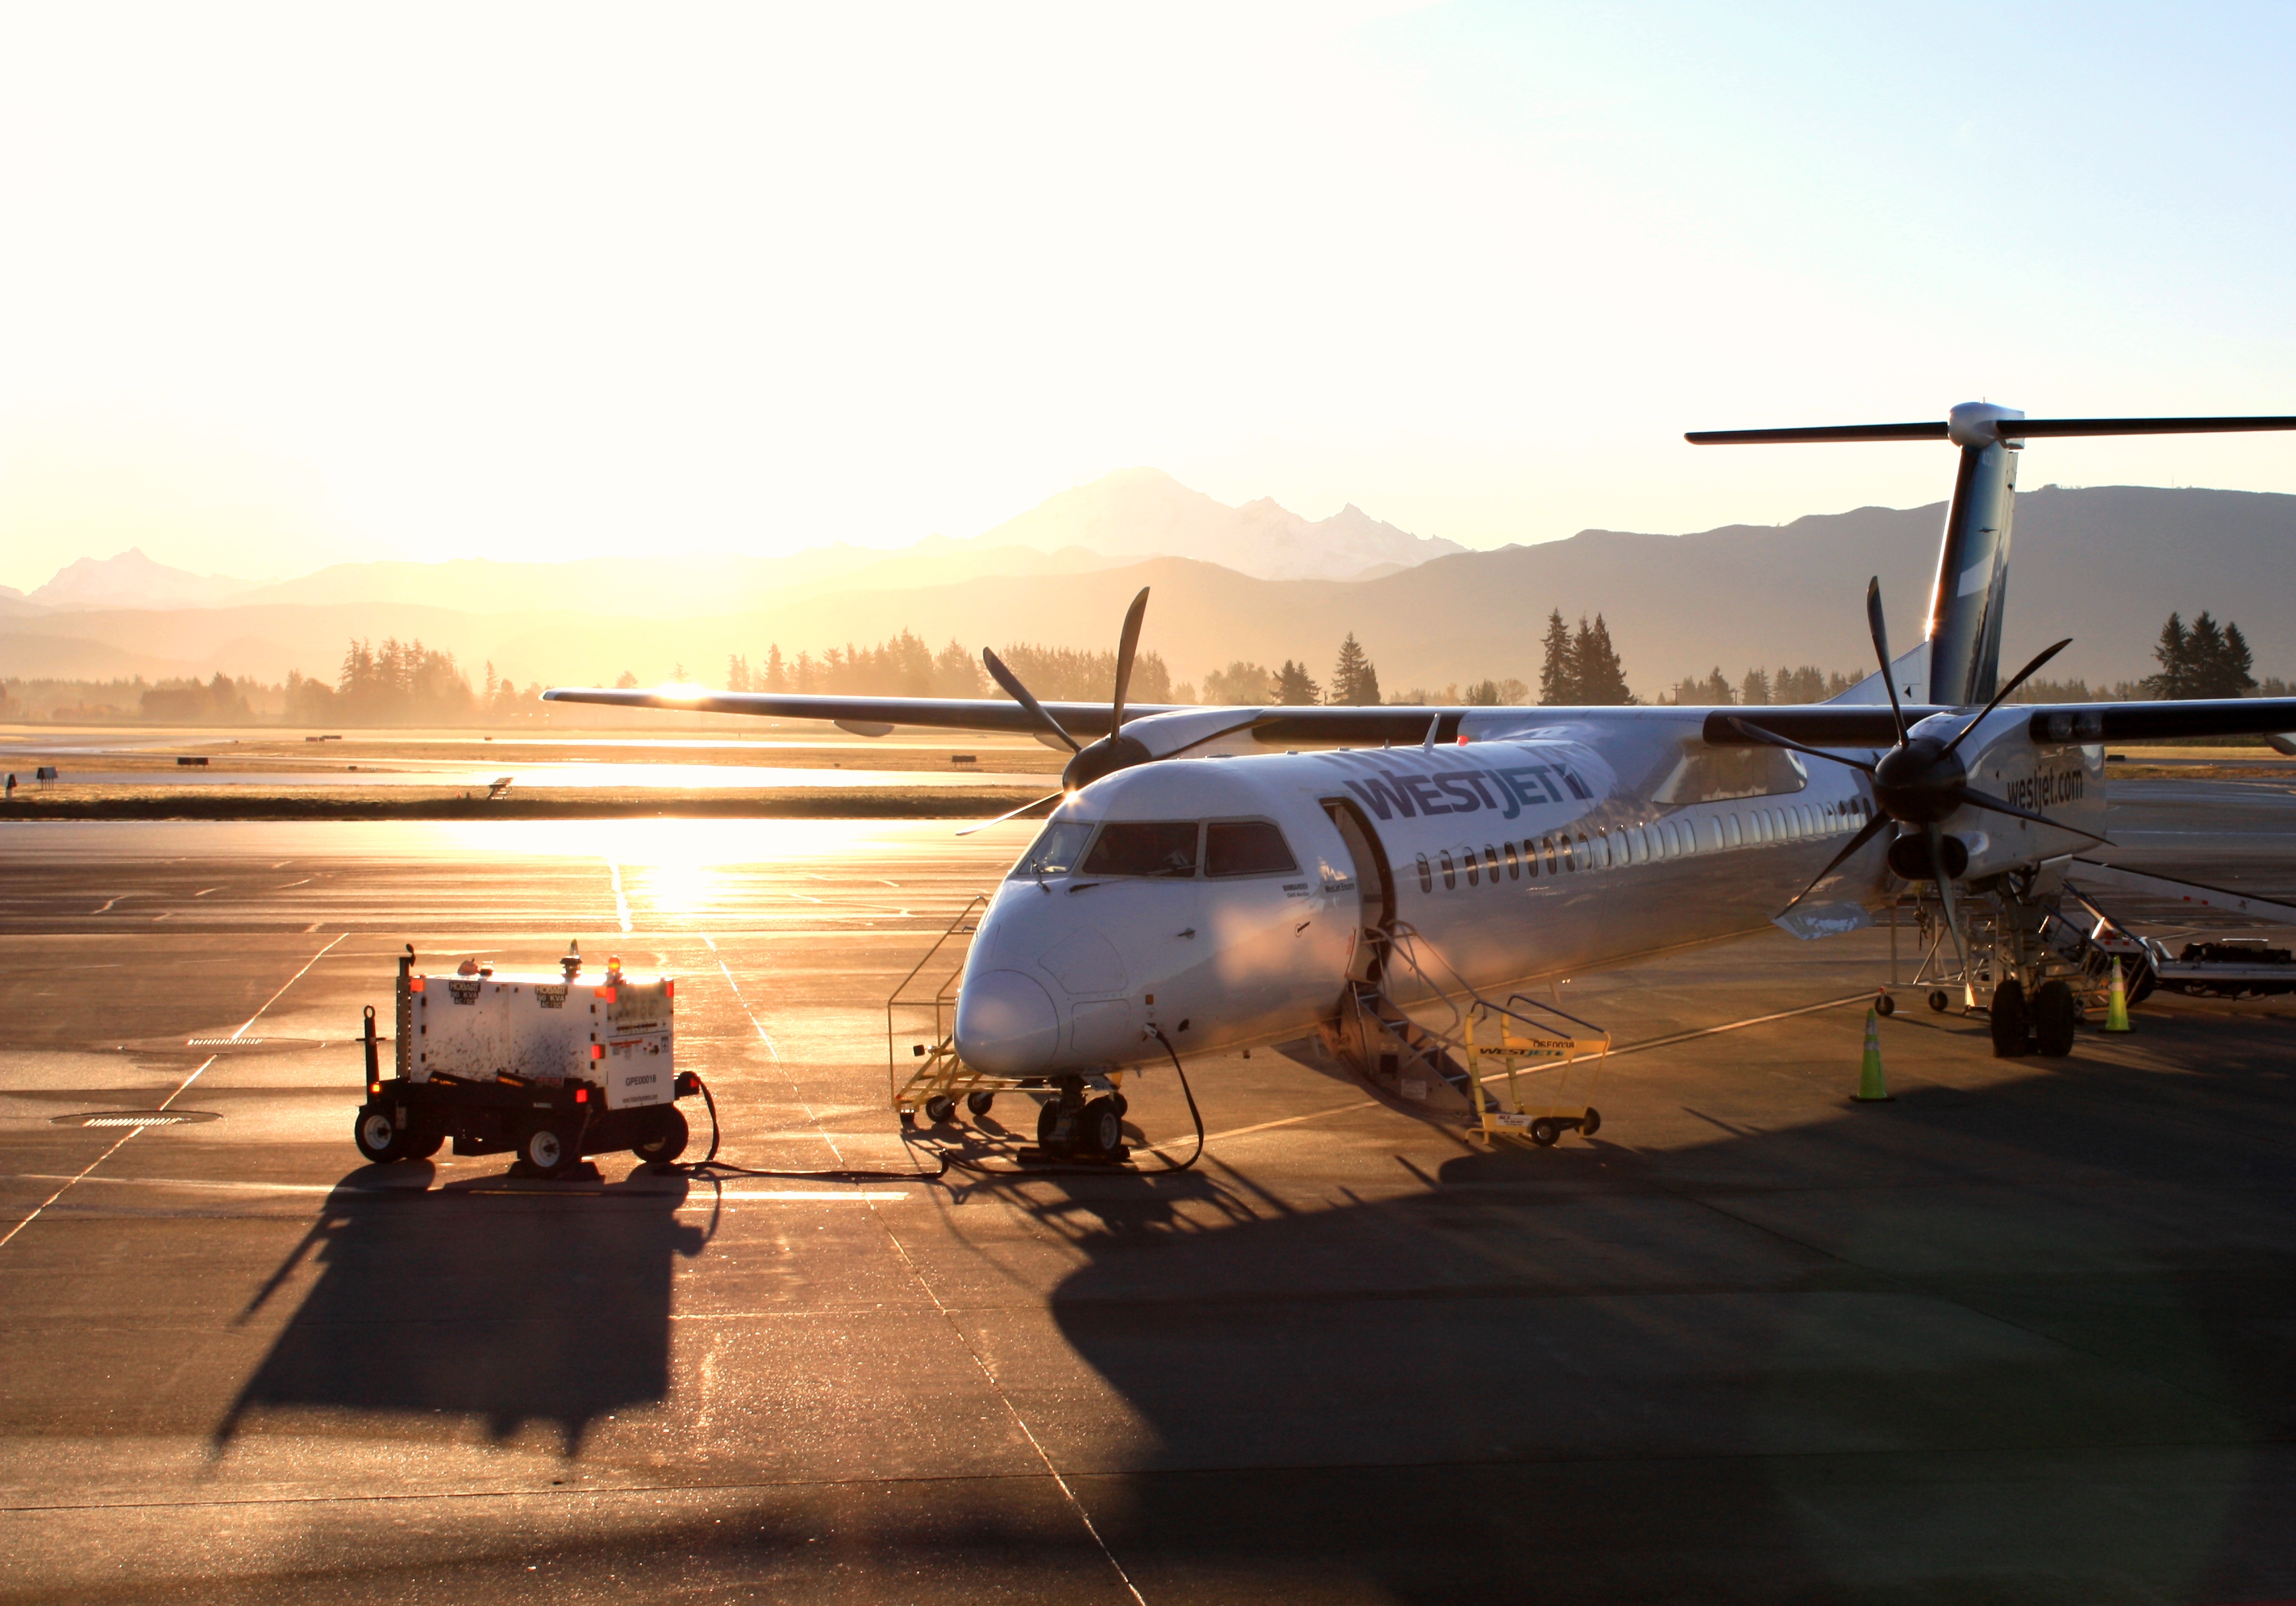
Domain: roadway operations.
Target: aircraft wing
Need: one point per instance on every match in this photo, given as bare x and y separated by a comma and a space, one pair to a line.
945, 713
870, 715
1835, 725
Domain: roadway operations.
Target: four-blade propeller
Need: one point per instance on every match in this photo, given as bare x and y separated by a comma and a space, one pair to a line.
1921, 781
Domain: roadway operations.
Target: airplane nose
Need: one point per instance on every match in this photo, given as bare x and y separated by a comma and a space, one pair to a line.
1006, 1024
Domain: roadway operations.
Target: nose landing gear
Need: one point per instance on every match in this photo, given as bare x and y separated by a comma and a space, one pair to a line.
1072, 1127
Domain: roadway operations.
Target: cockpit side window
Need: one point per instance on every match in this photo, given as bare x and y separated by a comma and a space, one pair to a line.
1054, 851
1246, 848
1153, 848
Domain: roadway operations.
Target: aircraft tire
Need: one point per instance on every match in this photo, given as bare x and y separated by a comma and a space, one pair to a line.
2012, 1023
1048, 1123
2054, 1015
1100, 1128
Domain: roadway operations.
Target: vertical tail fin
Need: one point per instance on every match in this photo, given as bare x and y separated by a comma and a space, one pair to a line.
1970, 598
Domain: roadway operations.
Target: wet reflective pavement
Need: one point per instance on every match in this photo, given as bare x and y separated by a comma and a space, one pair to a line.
2024, 1333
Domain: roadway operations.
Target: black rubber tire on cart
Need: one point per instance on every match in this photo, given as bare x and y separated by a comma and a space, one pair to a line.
2139, 981
668, 1140
981, 1100
550, 1148
940, 1110
1591, 1123
1545, 1130
1939, 1001
1100, 1129
2012, 1025
377, 1133
2054, 1015
423, 1148
1885, 1006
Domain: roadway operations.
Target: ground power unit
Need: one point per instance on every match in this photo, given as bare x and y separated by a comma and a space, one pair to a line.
547, 1066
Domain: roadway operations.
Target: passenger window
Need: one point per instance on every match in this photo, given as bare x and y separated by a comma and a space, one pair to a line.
1548, 844
1586, 854
1567, 862
1154, 848
1246, 848
1054, 851
1530, 858
1491, 862
1426, 875
1473, 877
1450, 872
1514, 864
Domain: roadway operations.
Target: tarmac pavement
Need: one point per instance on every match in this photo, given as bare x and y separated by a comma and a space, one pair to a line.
2024, 1333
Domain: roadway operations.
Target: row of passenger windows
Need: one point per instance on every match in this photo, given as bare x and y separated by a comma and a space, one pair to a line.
1164, 850
1563, 852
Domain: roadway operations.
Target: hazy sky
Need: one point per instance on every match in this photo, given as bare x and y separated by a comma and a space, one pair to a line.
285, 286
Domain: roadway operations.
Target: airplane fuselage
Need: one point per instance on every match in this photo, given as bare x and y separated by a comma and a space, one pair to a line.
1157, 896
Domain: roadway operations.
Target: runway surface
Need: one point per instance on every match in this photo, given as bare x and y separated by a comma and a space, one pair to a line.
2024, 1333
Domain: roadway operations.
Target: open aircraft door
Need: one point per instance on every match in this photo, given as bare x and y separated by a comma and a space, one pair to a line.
1374, 884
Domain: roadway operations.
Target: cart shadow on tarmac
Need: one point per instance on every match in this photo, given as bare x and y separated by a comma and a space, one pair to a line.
2031, 1339
504, 1301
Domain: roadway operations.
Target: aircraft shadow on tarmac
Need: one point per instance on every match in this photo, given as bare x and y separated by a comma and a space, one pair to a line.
506, 1302
2032, 1339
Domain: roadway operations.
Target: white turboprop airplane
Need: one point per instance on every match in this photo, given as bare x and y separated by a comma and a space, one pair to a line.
1287, 875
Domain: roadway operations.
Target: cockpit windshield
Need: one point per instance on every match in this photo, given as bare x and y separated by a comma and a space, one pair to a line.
1165, 848
1054, 851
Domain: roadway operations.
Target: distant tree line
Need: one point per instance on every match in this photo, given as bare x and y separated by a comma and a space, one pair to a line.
1580, 669
1760, 688
905, 667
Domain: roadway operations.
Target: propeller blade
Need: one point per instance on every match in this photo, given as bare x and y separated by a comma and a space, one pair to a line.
1978, 800
1020, 695
2001, 696
1882, 651
1945, 898
1125, 646
1014, 813
1866, 833
1774, 740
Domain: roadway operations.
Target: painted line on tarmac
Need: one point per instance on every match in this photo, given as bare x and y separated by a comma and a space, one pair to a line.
1631, 1048
690, 1201
758, 1025
621, 904
134, 1132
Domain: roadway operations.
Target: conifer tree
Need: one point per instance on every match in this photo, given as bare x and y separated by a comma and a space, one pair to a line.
1294, 688
1601, 679
1353, 679
1558, 673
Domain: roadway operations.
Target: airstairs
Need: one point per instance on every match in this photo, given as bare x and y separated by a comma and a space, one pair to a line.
1413, 1028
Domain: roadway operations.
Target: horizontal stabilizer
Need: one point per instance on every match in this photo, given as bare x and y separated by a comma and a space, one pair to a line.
2007, 429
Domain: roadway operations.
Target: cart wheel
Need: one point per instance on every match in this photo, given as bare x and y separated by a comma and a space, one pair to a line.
1591, 1123
2054, 1015
940, 1110
1544, 1132
1939, 1001
1885, 1005
378, 1135
2012, 1029
667, 1142
1100, 1129
981, 1101
423, 1148
1048, 1124
548, 1147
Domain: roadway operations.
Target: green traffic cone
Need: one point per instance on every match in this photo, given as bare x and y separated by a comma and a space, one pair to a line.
1871, 1088
2116, 1003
